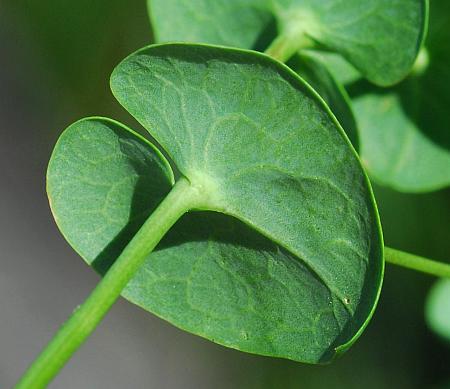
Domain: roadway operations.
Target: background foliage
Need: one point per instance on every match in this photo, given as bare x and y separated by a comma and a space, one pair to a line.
56, 60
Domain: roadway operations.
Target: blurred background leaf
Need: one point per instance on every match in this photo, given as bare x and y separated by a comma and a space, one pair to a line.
405, 130
438, 309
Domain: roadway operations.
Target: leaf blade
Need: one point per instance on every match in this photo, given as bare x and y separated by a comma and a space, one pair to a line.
97, 181
381, 39
219, 142
312, 70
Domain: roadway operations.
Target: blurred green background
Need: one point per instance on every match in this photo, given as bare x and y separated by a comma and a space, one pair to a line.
55, 60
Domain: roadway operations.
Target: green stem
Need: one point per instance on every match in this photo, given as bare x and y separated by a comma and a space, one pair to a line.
416, 262
85, 319
285, 46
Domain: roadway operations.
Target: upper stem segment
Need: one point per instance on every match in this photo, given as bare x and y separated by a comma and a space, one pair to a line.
85, 319
285, 45
416, 262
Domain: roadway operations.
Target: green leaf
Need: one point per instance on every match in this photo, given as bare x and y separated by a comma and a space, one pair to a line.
257, 35
311, 69
239, 23
395, 149
289, 264
380, 38
437, 308
103, 181
264, 149
405, 131
341, 70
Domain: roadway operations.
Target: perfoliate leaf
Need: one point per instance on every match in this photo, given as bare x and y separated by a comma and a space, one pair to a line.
285, 258
264, 148
380, 38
